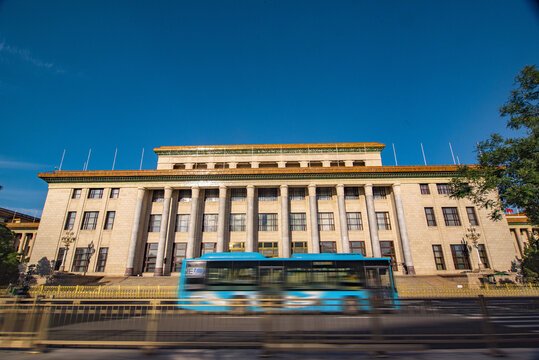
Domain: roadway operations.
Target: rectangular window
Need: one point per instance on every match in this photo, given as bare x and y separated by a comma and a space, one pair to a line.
431, 218
101, 259
59, 258
424, 189
178, 255
324, 193
238, 194
379, 192
184, 195
451, 216
208, 248
483, 255
351, 193
182, 222
388, 250
155, 223
358, 247
267, 222
298, 222
211, 195
267, 194
235, 247
114, 193
158, 196
438, 257
95, 194
443, 189
81, 260
269, 249
472, 216
296, 193
109, 220
325, 221
353, 219
70, 220
460, 257
299, 247
209, 223
328, 247
76, 193
382, 220
89, 220
150, 257
237, 222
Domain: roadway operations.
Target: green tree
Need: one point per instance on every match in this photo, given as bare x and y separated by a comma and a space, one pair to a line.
9, 259
530, 261
507, 174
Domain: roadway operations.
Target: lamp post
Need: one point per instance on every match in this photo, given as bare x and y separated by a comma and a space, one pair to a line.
473, 235
90, 251
68, 238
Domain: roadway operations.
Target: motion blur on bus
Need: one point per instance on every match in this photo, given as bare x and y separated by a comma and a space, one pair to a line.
250, 282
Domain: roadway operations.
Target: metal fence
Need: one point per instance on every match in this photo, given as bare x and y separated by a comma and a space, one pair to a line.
269, 324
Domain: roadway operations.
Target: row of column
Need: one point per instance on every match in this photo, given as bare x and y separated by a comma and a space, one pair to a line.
250, 224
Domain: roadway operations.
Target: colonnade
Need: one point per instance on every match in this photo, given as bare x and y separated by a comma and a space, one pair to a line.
193, 244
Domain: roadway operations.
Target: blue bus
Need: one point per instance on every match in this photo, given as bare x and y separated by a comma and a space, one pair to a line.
308, 282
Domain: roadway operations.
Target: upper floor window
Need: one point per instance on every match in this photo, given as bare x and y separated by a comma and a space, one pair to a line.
209, 223
158, 196
76, 193
424, 189
379, 192
237, 222
438, 257
238, 194
483, 255
444, 189
382, 220
324, 193
155, 223
326, 221
296, 193
70, 220
267, 194
267, 222
114, 193
109, 220
353, 219
182, 222
431, 218
184, 195
351, 193
298, 222
451, 216
95, 194
89, 220
211, 195
472, 216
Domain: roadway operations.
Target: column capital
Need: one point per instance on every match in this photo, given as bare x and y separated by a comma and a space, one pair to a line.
396, 188
222, 188
340, 189
284, 190
195, 191
250, 190
368, 189
140, 192
168, 191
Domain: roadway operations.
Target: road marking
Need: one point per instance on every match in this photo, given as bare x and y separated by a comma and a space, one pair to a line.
240, 317
523, 325
515, 320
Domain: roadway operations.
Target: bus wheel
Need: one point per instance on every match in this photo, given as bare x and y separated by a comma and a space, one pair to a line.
351, 305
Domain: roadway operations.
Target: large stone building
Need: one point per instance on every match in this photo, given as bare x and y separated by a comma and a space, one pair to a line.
24, 226
275, 199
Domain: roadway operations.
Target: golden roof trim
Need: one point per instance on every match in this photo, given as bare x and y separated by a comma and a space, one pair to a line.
270, 146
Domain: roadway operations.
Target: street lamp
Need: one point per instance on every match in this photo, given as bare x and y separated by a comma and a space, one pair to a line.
473, 235
89, 253
67, 239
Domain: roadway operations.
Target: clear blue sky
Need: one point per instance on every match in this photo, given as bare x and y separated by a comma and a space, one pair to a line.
131, 74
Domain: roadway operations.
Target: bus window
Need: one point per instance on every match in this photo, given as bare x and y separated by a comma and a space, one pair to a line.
378, 277
385, 280
228, 275
298, 275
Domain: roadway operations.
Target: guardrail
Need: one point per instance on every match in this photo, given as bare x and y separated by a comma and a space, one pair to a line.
506, 290
269, 324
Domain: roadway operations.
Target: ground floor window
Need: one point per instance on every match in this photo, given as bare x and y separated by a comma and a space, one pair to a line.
178, 255
299, 247
328, 247
236, 247
388, 250
208, 248
358, 247
438, 257
59, 259
101, 259
483, 255
81, 260
460, 257
150, 257
269, 249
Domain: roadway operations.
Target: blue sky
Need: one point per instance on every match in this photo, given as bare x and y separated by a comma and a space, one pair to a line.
140, 74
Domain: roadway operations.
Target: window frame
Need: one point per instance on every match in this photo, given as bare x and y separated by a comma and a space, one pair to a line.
89, 222
472, 216
154, 223
237, 222
358, 226
451, 218
114, 193
109, 220
70, 221
298, 221
439, 260
424, 189
386, 220
209, 222
101, 262
182, 222
95, 193
322, 225
268, 222
430, 217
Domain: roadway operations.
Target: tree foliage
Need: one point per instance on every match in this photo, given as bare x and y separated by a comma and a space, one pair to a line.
507, 174
530, 261
9, 260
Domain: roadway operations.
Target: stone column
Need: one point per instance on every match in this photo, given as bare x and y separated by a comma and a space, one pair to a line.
313, 208
285, 222
519, 242
192, 243
345, 241
221, 220
134, 233
163, 233
407, 252
250, 226
373, 226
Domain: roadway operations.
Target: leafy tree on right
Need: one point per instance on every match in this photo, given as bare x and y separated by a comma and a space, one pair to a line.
507, 174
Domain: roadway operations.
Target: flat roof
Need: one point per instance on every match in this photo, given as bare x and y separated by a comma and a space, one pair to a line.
271, 146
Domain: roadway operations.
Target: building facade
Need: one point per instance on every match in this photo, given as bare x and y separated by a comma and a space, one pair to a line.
522, 231
274, 199
23, 226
